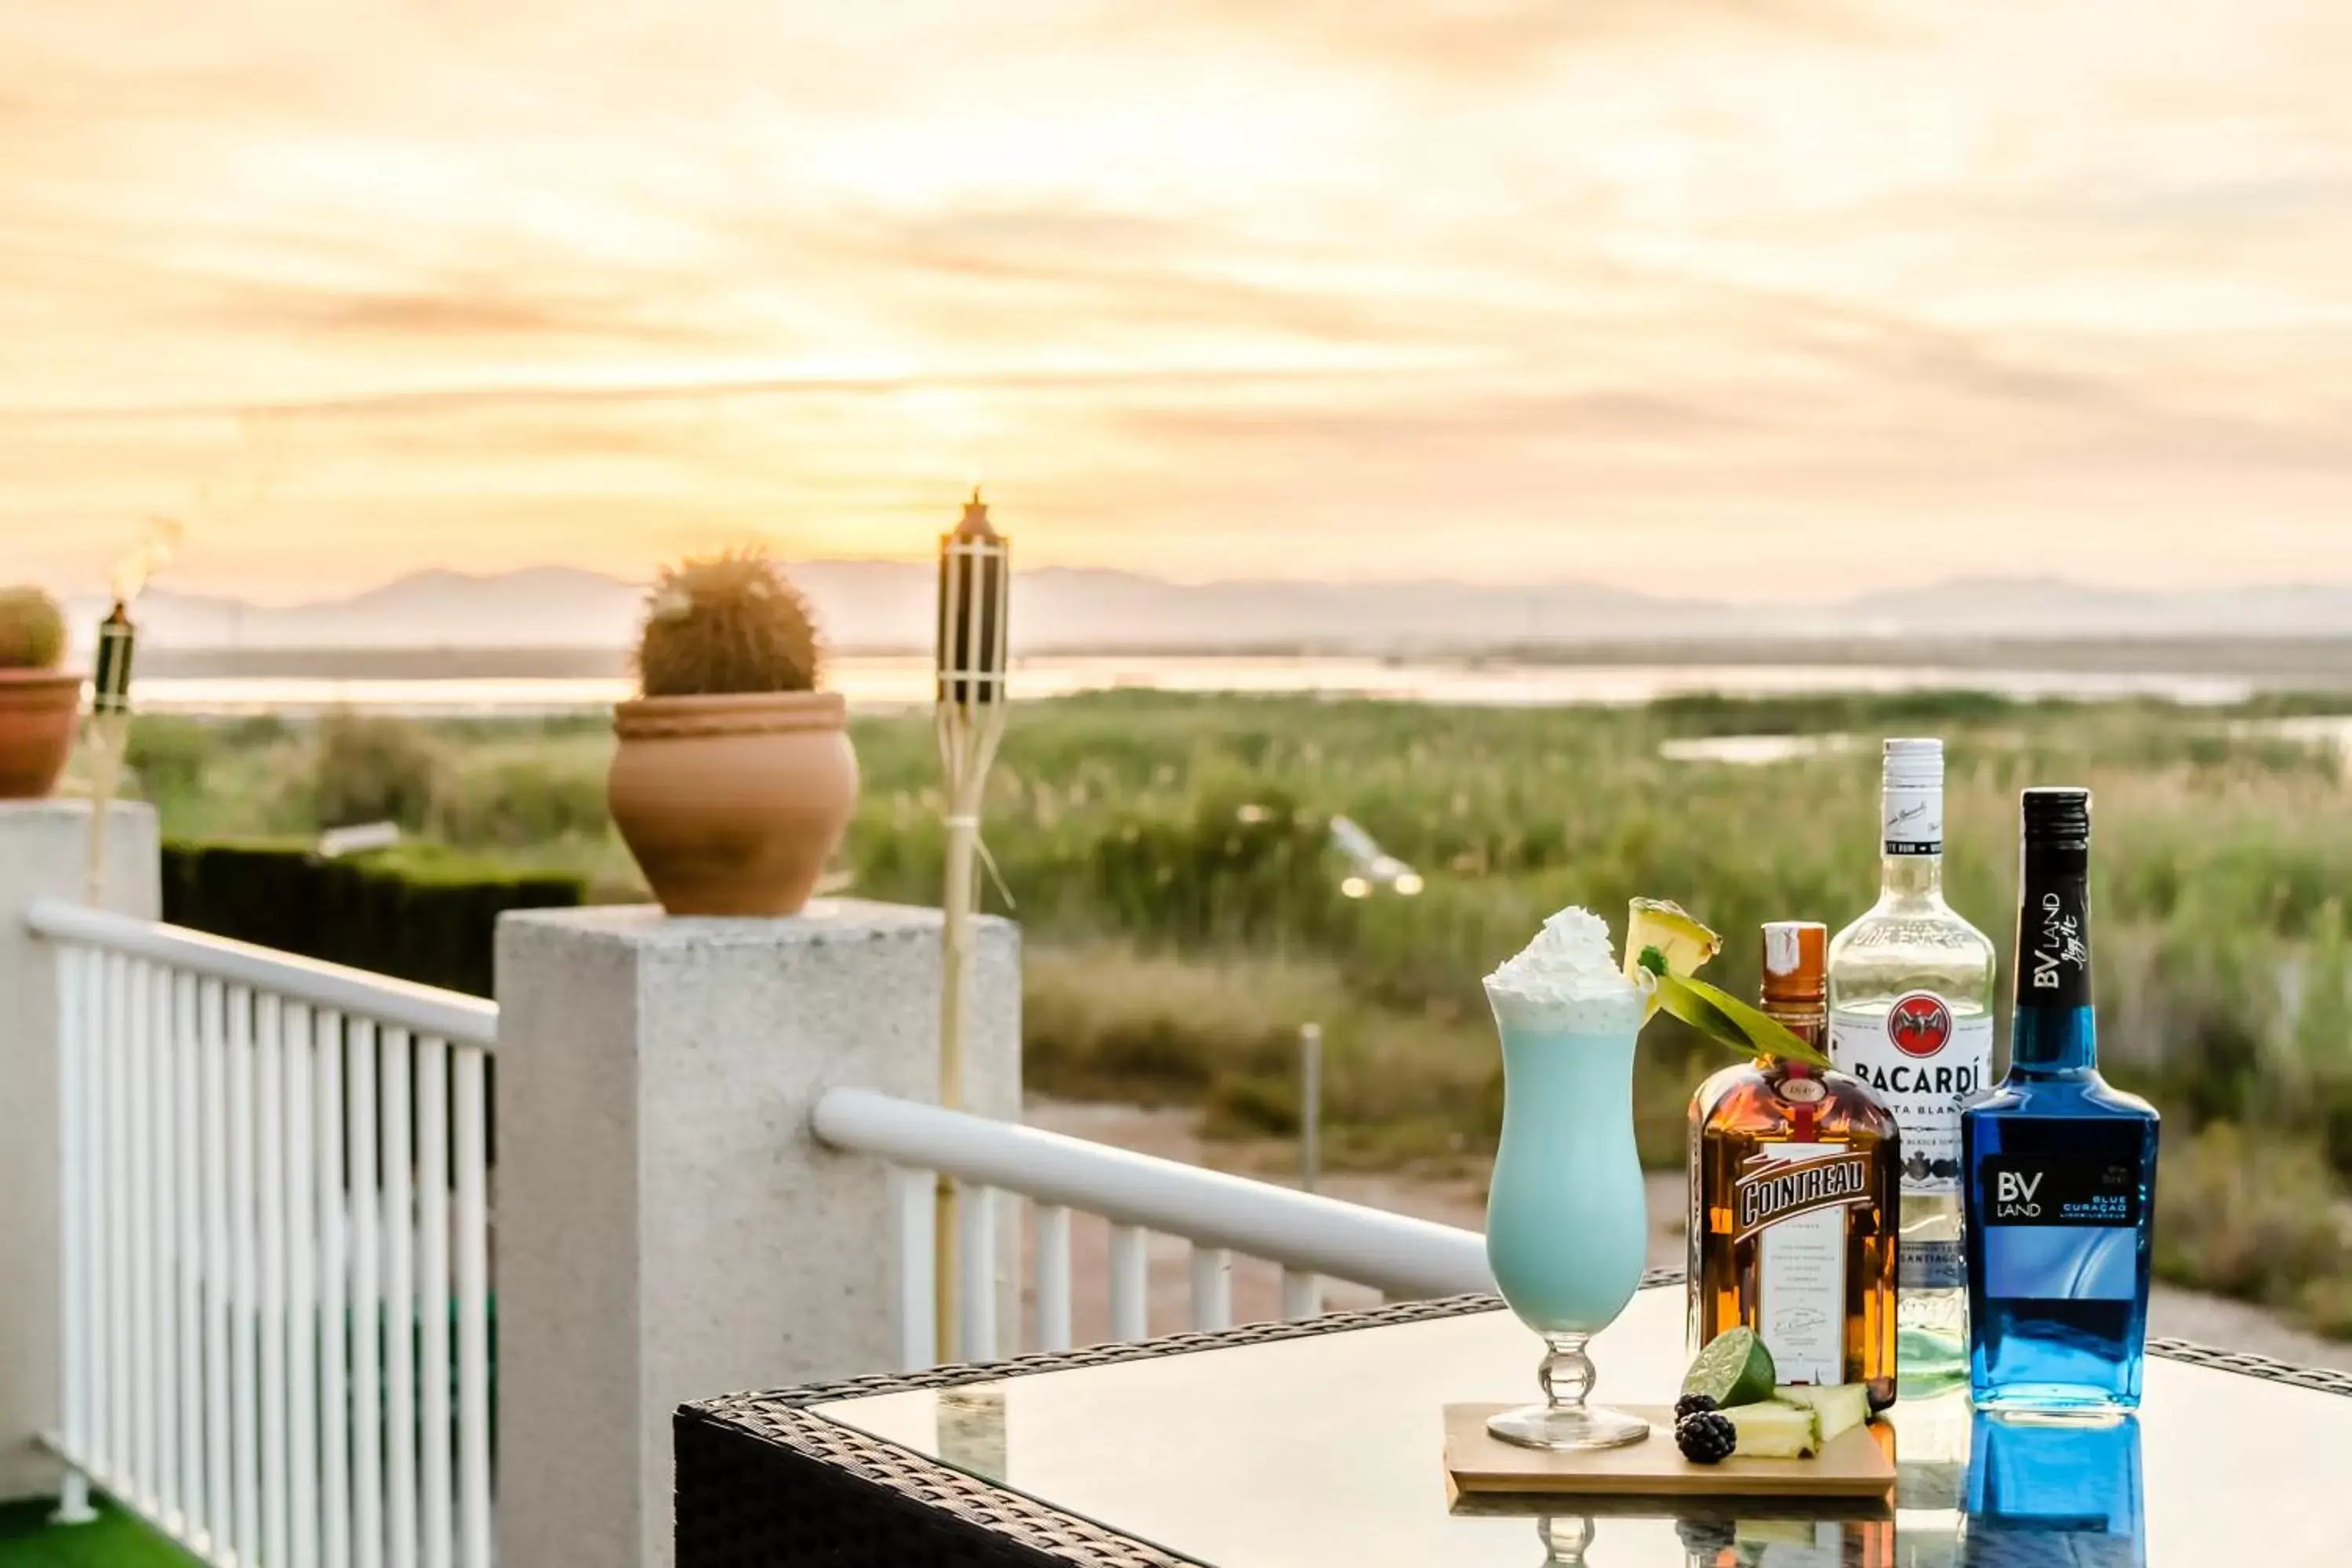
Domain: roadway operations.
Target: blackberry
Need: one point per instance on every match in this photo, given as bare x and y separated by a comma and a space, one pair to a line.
1694, 1404
1707, 1438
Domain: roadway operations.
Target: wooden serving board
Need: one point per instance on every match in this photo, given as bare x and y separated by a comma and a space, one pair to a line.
1859, 1462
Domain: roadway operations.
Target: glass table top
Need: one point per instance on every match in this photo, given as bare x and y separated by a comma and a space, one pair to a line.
1326, 1449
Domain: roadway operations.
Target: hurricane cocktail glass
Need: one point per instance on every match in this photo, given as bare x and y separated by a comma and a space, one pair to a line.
1567, 1223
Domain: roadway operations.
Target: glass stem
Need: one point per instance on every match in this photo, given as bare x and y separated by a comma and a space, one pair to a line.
1565, 1540
1566, 1371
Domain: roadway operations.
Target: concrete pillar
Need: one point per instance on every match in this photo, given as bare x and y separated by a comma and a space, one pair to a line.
667, 1227
44, 853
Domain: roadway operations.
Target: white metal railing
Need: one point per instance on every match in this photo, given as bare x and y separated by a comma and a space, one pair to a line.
1313, 1238
276, 1283
274, 1212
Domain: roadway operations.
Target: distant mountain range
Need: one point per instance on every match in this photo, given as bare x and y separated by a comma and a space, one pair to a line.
874, 605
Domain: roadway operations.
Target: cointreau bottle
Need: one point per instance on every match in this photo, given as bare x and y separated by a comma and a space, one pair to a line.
1795, 1191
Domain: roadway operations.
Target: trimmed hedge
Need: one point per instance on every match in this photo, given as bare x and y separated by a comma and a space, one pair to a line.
419, 913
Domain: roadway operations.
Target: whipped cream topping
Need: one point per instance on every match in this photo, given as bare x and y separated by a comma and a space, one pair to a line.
1567, 978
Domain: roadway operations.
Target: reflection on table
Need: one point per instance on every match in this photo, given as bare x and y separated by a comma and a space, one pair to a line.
1327, 1449
2067, 1496
1714, 1533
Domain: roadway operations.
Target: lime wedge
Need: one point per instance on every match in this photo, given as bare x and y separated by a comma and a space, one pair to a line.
1733, 1369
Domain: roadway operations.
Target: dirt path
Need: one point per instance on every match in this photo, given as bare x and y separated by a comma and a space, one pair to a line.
1258, 1286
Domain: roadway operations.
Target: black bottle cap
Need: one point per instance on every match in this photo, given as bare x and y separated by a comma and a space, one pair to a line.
2059, 816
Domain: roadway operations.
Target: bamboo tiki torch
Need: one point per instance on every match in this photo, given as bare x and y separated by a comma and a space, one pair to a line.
108, 734
975, 593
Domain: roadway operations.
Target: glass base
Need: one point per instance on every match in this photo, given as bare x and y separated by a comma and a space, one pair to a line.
1568, 1427
1564, 1421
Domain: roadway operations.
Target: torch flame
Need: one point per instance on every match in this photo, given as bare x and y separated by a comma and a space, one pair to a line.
134, 571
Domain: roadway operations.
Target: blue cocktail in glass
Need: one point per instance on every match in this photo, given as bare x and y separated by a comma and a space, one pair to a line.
1567, 1224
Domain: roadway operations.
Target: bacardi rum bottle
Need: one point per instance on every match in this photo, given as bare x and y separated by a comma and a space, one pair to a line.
1793, 1178
1910, 993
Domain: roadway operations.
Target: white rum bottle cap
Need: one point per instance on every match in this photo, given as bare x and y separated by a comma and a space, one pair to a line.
1914, 765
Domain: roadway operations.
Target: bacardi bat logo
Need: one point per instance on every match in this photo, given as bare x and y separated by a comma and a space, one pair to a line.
1919, 1023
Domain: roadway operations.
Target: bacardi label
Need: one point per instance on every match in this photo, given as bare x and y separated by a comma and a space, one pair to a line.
1912, 819
1792, 1197
1923, 1062
1931, 1266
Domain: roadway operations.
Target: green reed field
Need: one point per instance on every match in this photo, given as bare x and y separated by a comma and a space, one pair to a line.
1170, 860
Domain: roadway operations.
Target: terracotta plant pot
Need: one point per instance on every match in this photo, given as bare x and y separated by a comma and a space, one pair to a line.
39, 709
731, 804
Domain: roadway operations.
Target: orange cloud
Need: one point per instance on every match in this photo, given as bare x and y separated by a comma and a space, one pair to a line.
1803, 295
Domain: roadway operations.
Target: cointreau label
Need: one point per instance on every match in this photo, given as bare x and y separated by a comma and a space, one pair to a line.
1778, 1188
1791, 1198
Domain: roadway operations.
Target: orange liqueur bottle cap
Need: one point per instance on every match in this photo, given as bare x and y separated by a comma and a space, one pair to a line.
1796, 964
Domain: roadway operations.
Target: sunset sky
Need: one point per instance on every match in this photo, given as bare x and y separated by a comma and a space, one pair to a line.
1735, 297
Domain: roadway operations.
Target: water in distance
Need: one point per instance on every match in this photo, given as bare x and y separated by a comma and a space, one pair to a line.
881, 683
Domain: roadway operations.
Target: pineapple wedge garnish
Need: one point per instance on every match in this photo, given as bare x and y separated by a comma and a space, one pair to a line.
1772, 1430
1837, 1408
1682, 943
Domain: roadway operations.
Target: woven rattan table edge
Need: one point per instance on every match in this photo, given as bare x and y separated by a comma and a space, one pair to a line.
1020, 1528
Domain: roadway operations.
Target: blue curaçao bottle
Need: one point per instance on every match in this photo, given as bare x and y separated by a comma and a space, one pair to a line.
2060, 1167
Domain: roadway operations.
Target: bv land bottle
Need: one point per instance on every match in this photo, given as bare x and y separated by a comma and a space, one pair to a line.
2061, 1168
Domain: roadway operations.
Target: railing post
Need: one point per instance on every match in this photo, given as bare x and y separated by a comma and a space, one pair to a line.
668, 1228
44, 850
1310, 1105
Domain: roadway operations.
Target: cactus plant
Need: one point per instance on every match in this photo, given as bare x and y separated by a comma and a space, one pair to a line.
32, 630
733, 776
727, 622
